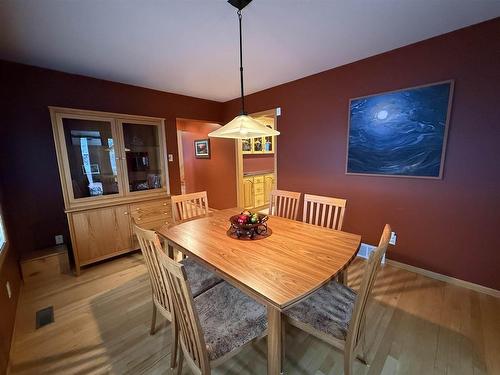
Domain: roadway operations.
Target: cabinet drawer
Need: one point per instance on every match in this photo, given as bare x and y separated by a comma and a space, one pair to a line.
259, 200
151, 211
150, 205
259, 189
154, 224
258, 180
152, 215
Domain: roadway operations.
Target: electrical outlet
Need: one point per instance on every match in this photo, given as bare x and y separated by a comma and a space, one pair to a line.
170, 157
278, 111
59, 239
9, 292
393, 239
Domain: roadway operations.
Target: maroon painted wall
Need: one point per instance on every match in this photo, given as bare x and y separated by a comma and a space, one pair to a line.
9, 272
257, 163
448, 226
217, 175
29, 166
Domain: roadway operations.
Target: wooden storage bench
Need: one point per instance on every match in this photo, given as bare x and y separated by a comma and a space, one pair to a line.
43, 264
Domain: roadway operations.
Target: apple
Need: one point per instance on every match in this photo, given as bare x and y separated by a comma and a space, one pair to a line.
242, 219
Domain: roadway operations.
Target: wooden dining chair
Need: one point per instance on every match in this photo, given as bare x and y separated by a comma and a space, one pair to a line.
284, 204
324, 211
213, 326
188, 206
336, 314
200, 278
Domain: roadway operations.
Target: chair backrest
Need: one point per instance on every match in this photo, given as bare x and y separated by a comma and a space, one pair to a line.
324, 211
151, 247
284, 204
187, 206
190, 333
357, 324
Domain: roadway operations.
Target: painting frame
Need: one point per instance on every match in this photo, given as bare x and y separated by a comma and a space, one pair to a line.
451, 83
198, 145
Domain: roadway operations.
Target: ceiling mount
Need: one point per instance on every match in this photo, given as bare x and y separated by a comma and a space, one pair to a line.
239, 4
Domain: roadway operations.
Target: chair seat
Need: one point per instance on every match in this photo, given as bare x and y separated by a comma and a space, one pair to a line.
229, 319
328, 310
200, 279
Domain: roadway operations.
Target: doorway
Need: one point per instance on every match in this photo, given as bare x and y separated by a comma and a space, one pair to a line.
206, 164
256, 160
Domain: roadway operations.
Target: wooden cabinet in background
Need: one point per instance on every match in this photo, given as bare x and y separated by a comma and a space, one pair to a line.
101, 233
257, 189
112, 168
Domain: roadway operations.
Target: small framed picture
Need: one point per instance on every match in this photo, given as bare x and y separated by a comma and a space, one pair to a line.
90, 169
202, 149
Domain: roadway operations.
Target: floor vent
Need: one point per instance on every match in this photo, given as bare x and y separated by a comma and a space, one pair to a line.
44, 316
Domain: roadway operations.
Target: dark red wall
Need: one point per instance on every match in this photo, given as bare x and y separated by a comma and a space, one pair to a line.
9, 272
29, 165
448, 226
217, 175
257, 163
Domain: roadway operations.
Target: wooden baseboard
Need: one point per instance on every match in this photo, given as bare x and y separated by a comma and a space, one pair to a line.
434, 275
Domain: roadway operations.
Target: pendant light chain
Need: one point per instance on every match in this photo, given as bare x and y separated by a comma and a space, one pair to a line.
241, 69
242, 126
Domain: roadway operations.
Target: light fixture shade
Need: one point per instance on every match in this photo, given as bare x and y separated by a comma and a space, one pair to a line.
241, 127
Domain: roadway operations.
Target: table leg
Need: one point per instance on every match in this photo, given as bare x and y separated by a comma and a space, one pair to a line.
342, 277
274, 327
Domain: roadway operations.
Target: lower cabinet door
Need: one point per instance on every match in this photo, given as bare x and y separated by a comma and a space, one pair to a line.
100, 233
268, 187
248, 193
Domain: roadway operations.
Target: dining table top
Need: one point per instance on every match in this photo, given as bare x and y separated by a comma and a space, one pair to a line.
293, 261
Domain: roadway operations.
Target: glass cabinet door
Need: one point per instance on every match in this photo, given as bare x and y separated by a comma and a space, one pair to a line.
143, 156
246, 145
268, 144
90, 146
258, 145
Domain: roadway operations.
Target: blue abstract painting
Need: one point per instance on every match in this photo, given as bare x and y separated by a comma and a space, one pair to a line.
399, 133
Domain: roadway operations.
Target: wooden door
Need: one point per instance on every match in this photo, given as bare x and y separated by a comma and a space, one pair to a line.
268, 187
101, 233
248, 194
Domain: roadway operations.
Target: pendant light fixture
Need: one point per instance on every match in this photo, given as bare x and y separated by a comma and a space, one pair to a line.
242, 126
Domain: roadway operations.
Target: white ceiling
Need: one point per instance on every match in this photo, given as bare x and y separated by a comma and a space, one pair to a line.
191, 46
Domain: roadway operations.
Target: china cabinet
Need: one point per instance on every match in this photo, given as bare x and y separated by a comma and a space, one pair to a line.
112, 169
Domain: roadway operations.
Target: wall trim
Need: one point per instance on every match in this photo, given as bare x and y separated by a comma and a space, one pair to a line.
448, 279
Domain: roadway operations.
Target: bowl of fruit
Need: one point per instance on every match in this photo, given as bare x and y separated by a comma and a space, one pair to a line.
248, 225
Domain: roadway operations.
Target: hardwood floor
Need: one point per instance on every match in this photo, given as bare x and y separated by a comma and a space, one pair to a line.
417, 325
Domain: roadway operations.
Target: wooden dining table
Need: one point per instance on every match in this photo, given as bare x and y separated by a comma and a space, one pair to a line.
279, 270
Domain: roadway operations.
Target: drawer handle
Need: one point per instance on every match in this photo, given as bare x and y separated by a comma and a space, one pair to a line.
165, 203
125, 213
